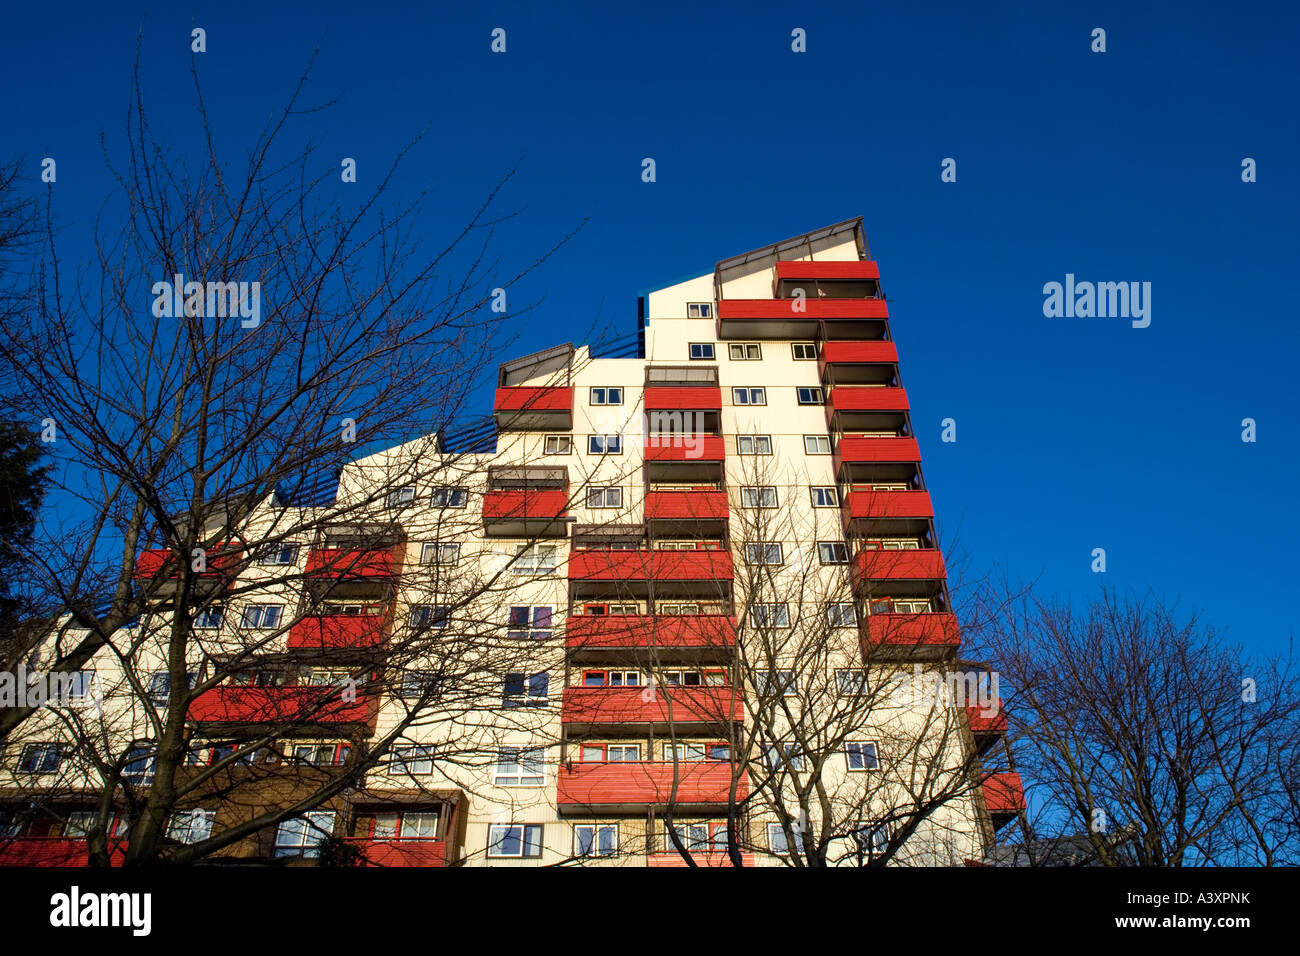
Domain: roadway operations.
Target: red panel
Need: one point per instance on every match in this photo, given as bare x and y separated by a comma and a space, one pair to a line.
684, 397
906, 630
853, 269
54, 851
851, 449
686, 504
663, 630
338, 630
647, 783
519, 398
889, 504
861, 398
646, 565
982, 724
621, 705
526, 503
351, 564
802, 309
879, 565
1004, 793
678, 447
883, 350
701, 859
222, 560
401, 852
259, 705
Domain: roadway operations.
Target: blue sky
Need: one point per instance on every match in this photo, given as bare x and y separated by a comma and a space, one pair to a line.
1072, 434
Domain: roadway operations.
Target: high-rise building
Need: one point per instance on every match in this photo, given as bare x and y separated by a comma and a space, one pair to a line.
684, 597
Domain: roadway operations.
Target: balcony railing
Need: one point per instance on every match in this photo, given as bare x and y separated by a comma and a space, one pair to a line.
672, 447
676, 631
864, 398
645, 565
528, 504
702, 504
400, 852
855, 353
55, 851
354, 563
882, 565
683, 398
897, 636
710, 858
527, 407
332, 631
221, 564
863, 450
1004, 795
628, 785
888, 504
854, 269
662, 704
236, 704
802, 309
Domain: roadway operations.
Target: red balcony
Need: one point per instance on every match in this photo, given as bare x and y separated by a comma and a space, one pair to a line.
233, 704
888, 504
222, 564
881, 565
712, 565
528, 407
663, 704
1004, 795
802, 309
859, 353
634, 785
683, 397
526, 505
676, 631
852, 451
708, 859
982, 723
54, 851
400, 852
329, 631
898, 636
354, 564
678, 447
854, 269
864, 398
703, 504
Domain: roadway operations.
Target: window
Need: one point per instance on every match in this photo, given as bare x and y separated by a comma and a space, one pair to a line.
607, 396
816, 445
526, 621
40, 758
861, 755
138, 768
520, 767
605, 445
417, 684
678, 607
702, 350
833, 552
411, 760
436, 552
520, 840
210, 617
776, 683
770, 615
79, 823
614, 753
525, 690
825, 497
595, 840
322, 755
450, 497
693, 836
604, 497
400, 498
873, 840
617, 678
598, 609
745, 352
804, 351
262, 615
749, 396
792, 756
720, 752
777, 842
841, 615
684, 753
215, 755
191, 826
324, 676
851, 683
760, 553
900, 606
754, 444
278, 554
430, 615
810, 396
699, 310
535, 559
557, 445
762, 496
894, 544
302, 836
422, 825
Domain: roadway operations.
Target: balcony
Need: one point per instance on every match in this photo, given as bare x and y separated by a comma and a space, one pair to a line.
865, 398
873, 362
354, 563
55, 851
704, 504
912, 636
860, 270
702, 858
400, 852
678, 447
683, 398
525, 513
1004, 796
599, 708
637, 785
222, 567
888, 504
334, 631
236, 704
803, 317
689, 637
526, 408
855, 450
644, 565
987, 729
882, 565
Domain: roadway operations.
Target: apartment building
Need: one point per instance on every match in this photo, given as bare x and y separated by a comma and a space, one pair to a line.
660, 609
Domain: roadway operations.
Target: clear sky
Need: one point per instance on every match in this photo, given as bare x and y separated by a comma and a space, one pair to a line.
1073, 433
